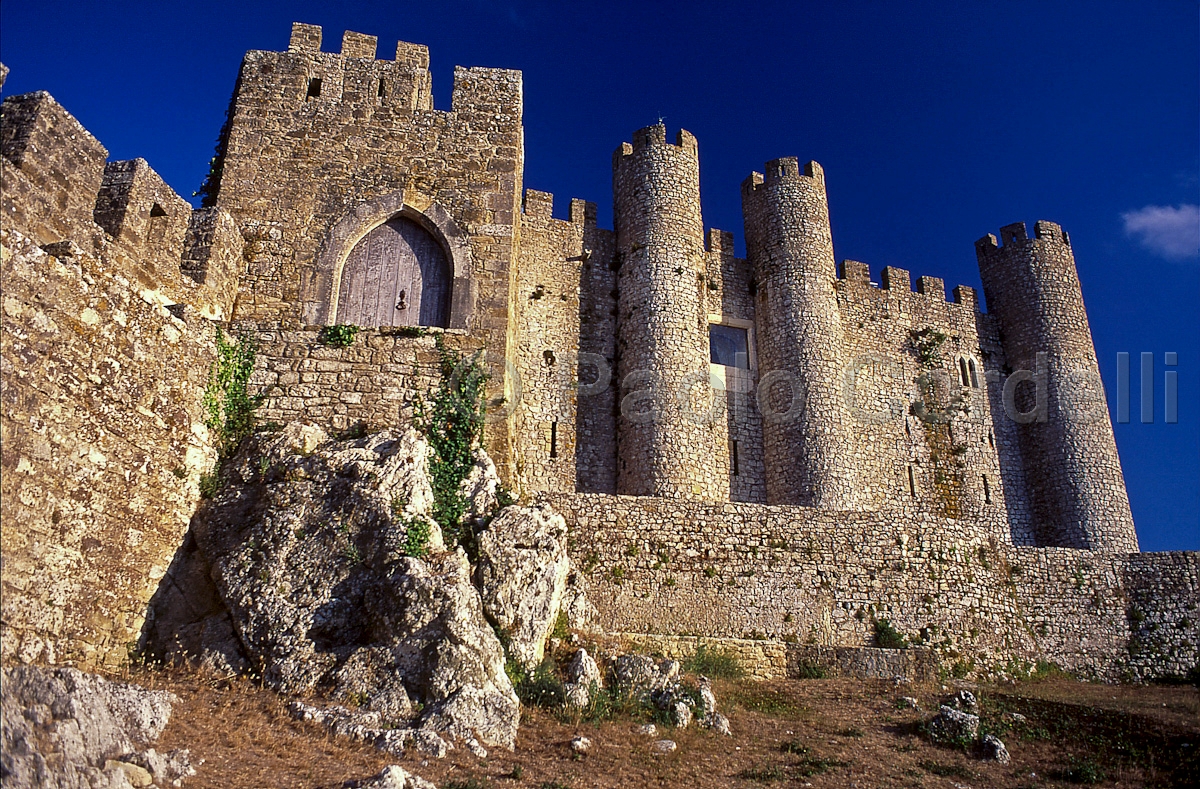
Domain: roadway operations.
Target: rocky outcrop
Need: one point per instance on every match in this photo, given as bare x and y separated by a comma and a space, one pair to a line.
73, 730
953, 726
522, 573
392, 777
337, 581
583, 679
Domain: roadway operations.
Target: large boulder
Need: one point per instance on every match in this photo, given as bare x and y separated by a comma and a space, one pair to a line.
68, 729
953, 727
337, 582
522, 574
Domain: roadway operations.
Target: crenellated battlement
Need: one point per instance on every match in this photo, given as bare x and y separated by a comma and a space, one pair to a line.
783, 170
540, 205
858, 274
719, 242
1017, 235
655, 136
60, 191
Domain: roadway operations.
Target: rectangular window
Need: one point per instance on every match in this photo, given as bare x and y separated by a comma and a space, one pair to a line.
729, 346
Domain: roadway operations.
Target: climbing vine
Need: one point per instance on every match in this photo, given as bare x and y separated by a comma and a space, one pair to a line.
228, 405
452, 420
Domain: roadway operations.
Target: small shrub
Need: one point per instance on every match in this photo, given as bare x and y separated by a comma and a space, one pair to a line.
562, 627
340, 335
888, 637
852, 731
541, 688
453, 422
763, 774
468, 783
810, 669
926, 344
714, 663
210, 483
961, 668
1080, 771
793, 747
810, 766
180, 472
946, 770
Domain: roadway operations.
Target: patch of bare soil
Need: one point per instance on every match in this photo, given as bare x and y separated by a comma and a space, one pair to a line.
786, 733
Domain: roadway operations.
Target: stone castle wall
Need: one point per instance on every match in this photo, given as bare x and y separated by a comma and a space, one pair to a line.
810, 576
320, 148
109, 279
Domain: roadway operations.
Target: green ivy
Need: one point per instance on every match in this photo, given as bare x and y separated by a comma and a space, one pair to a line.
452, 420
338, 336
228, 405
926, 344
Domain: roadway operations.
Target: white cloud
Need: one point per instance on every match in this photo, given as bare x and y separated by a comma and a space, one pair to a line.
1170, 231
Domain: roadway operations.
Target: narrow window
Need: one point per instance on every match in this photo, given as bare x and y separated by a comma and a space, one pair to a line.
991, 439
314, 89
382, 90
987, 491
735, 459
554, 439
907, 429
962, 372
912, 483
974, 373
157, 210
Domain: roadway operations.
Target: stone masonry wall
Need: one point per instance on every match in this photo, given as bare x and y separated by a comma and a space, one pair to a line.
955, 450
102, 451
810, 576
548, 345
370, 384
321, 148
106, 352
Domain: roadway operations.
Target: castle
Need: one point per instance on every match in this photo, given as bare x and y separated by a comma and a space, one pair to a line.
774, 449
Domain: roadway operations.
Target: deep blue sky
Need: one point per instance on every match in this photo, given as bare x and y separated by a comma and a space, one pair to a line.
936, 122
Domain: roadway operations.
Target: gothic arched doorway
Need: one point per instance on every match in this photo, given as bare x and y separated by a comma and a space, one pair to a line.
397, 275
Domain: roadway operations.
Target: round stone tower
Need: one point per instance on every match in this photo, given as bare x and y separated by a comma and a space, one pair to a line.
807, 441
1077, 490
664, 437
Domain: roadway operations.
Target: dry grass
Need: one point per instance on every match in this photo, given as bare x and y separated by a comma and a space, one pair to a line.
823, 733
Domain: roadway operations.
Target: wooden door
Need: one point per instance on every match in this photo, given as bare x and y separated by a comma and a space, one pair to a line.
397, 275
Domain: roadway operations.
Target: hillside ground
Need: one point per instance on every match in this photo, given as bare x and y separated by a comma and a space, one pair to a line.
786, 733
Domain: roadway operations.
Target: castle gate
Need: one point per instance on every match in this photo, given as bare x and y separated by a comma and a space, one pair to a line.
397, 275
